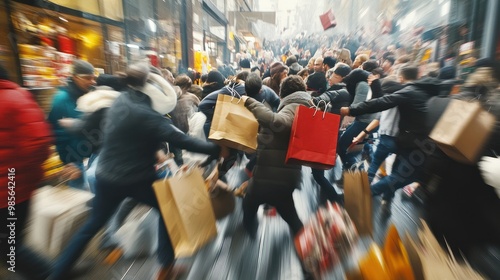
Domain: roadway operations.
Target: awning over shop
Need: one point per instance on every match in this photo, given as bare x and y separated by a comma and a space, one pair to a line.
269, 17
240, 39
111, 9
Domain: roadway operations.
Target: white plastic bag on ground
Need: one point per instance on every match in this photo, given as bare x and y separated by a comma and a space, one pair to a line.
196, 122
490, 170
138, 238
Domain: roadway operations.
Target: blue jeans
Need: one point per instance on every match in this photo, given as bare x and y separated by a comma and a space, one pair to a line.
80, 183
107, 198
405, 170
90, 173
349, 159
385, 147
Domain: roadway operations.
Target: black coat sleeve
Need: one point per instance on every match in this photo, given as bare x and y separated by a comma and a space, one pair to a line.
379, 104
167, 132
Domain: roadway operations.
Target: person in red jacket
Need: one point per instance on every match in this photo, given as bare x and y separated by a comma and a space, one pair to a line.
25, 138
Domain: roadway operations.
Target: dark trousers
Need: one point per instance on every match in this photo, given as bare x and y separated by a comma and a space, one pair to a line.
27, 263
107, 198
349, 159
277, 196
327, 191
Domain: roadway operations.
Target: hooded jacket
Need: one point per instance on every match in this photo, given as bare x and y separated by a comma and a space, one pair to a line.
412, 104
94, 106
273, 139
359, 75
133, 134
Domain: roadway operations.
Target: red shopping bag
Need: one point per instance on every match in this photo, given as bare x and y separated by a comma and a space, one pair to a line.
328, 20
313, 139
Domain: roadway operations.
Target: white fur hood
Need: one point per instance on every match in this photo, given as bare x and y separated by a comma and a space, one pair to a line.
162, 94
101, 97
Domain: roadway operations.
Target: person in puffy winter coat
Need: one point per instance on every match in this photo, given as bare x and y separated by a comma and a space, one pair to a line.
25, 138
273, 180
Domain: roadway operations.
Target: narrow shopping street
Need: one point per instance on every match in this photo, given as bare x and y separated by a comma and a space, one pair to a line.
234, 255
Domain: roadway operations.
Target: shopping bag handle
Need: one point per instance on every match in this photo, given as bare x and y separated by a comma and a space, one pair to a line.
233, 92
317, 107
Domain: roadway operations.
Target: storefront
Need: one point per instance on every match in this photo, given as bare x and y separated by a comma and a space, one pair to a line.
45, 37
209, 35
154, 32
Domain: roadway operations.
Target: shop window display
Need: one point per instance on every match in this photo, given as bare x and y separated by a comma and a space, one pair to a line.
48, 42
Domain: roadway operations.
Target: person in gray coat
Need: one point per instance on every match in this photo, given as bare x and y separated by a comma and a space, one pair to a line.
273, 181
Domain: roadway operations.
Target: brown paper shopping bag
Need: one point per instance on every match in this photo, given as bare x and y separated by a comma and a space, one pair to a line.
233, 125
462, 130
358, 200
187, 211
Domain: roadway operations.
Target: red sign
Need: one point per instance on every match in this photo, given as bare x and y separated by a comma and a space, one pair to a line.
328, 20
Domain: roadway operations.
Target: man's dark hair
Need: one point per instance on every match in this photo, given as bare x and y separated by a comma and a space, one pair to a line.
391, 59
243, 75
291, 84
370, 65
409, 72
330, 61
253, 84
204, 78
4, 75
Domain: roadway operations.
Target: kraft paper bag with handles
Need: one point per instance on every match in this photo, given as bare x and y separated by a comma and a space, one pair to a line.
313, 138
430, 261
358, 200
187, 211
462, 130
233, 125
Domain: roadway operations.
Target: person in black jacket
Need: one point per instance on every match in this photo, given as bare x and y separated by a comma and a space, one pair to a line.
411, 154
338, 97
134, 131
461, 208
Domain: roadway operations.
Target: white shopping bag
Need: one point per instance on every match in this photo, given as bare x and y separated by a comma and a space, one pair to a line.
55, 215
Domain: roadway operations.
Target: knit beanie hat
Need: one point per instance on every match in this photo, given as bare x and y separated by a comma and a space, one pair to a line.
245, 64
291, 60
316, 82
342, 70
137, 74
81, 67
277, 67
215, 77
